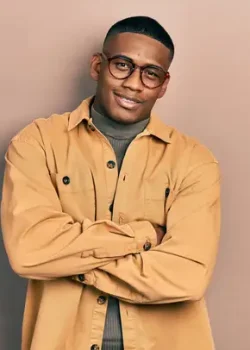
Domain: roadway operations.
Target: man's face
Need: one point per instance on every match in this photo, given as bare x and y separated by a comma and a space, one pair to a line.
128, 100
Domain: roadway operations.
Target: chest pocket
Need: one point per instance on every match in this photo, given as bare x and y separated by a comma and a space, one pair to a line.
76, 192
158, 199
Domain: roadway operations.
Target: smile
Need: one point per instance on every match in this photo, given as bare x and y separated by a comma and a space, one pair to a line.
127, 102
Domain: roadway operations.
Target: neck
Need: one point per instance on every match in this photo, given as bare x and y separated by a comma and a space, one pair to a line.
114, 129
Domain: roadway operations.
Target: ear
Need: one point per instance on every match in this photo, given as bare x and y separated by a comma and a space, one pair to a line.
95, 66
164, 86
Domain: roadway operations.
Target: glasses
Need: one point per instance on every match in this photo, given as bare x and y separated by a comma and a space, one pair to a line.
122, 67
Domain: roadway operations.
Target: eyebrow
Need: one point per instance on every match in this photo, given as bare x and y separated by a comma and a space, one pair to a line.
132, 61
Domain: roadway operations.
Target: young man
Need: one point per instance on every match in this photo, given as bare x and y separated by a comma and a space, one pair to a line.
87, 198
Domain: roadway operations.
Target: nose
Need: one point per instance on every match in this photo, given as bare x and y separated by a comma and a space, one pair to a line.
134, 82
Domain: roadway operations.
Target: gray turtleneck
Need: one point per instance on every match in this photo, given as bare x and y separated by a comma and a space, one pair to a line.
119, 136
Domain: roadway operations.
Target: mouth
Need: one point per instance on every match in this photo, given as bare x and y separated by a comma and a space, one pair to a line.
127, 102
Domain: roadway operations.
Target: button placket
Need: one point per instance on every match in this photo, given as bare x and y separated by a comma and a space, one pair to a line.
123, 184
111, 176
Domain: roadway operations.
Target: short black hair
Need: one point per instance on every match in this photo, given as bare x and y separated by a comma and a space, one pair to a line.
143, 25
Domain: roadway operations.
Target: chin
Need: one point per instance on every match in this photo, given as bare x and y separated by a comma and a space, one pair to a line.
123, 116
126, 118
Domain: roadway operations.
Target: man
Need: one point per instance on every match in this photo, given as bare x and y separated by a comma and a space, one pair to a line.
87, 199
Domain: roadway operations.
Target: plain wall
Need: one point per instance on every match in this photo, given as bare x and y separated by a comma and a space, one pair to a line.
45, 48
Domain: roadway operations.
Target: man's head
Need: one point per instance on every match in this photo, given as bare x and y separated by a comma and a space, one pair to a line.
132, 71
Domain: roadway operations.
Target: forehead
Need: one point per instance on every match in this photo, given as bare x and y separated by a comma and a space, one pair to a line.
141, 48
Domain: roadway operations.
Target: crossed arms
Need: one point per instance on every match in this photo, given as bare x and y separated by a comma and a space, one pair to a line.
43, 242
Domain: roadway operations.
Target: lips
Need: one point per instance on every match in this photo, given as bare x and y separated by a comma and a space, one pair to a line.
126, 101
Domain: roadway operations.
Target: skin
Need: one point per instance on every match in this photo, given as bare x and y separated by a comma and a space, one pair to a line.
143, 50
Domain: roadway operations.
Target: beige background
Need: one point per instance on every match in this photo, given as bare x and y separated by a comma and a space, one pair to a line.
44, 53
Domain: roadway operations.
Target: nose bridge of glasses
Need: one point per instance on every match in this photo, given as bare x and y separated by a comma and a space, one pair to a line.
135, 75
137, 67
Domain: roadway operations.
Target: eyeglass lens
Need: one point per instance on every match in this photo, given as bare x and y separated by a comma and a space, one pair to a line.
151, 77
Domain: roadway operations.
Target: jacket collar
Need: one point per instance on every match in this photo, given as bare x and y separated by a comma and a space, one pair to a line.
80, 113
155, 127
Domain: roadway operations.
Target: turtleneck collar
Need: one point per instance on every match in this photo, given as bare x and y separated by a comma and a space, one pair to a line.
114, 129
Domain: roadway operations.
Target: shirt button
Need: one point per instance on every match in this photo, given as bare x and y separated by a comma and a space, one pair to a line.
111, 164
111, 207
95, 347
92, 128
81, 277
167, 191
147, 246
66, 180
101, 300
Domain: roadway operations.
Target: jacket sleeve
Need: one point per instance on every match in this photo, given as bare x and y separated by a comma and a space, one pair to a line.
179, 269
42, 241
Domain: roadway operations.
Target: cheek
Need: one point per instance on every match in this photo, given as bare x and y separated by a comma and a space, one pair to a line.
151, 97
107, 82
106, 86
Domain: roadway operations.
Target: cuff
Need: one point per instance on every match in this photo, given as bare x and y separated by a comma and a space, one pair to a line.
145, 235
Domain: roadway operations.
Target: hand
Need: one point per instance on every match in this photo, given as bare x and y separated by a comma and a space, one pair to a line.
160, 232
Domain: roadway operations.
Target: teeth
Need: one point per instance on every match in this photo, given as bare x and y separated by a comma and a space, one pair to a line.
127, 100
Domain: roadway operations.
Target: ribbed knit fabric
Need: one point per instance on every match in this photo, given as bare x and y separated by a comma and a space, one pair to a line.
119, 136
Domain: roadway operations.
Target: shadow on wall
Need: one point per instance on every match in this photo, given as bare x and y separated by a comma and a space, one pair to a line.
13, 288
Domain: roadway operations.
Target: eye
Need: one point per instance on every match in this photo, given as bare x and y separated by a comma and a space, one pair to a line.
152, 74
122, 65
